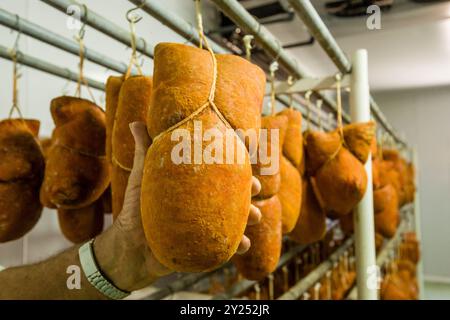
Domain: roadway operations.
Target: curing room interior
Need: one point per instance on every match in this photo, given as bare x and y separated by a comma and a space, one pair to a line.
225, 149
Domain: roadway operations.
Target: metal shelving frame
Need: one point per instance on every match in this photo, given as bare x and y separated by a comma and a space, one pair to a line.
362, 104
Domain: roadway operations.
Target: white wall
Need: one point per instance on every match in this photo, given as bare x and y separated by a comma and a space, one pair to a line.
423, 115
38, 88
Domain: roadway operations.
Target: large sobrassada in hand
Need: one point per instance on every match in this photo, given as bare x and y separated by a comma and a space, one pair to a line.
21, 173
194, 213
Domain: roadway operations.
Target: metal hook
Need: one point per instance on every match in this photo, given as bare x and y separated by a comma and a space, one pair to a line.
82, 30
135, 18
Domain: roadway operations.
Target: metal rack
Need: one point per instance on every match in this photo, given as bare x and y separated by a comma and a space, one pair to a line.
390, 245
361, 107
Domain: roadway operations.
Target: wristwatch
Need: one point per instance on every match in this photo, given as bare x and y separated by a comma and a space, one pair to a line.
93, 274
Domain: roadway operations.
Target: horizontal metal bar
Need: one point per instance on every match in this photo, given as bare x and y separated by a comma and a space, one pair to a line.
383, 255
317, 28
174, 22
34, 30
103, 25
245, 284
314, 276
242, 18
47, 67
313, 84
178, 285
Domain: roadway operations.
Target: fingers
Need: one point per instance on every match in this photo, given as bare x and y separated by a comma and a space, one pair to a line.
254, 216
256, 186
141, 139
244, 245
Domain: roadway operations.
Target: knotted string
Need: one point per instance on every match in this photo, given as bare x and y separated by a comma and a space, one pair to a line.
210, 101
14, 53
16, 76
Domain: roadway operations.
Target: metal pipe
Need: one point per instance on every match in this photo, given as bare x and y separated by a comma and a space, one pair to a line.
384, 253
317, 28
47, 67
391, 244
103, 25
314, 276
178, 285
236, 12
174, 22
363, 213
33, 30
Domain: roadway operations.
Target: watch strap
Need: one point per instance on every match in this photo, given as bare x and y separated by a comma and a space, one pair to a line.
93, 274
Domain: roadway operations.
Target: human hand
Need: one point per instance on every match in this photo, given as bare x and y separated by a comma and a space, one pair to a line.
122, 251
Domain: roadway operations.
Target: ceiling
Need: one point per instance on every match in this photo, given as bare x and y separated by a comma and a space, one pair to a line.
411, 50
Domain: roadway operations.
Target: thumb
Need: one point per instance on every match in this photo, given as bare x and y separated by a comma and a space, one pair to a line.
142, 142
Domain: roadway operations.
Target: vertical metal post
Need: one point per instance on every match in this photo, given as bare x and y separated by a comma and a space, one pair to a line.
363, 213
418, 224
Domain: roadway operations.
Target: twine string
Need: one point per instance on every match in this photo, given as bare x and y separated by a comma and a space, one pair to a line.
15, 96
134, 61
248, 46
81, 79
14, 53
198, 10
210, 102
